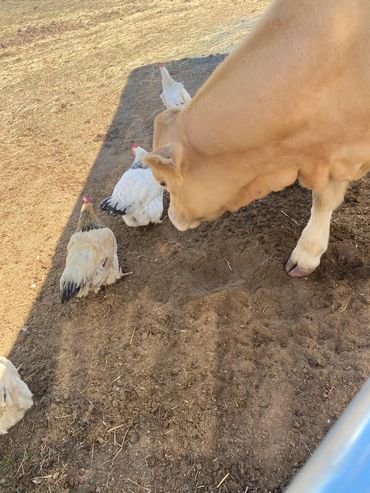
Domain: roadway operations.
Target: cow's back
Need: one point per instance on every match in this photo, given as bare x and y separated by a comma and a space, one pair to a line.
304, 62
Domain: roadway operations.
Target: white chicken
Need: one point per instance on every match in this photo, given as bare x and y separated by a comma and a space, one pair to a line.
92, 260
15, 396
137, 196
174, 94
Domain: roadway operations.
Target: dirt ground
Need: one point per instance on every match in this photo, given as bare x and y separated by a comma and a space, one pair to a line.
207, 364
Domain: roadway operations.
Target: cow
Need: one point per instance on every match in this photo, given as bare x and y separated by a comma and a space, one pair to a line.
292, 101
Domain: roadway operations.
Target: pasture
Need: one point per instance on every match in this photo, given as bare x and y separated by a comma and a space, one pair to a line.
208, 369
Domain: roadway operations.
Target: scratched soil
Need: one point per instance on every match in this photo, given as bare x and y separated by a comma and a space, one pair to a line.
207, 370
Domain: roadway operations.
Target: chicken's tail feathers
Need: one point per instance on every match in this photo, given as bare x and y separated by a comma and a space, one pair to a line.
70, 289
107, 207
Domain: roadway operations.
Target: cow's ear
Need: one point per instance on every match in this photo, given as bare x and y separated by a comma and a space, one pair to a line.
163, 159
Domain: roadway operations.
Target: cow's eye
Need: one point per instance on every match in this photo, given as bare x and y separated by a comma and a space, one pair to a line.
162, 183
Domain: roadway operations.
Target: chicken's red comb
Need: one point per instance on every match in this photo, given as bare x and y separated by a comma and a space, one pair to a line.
134, 146
86, 199
161, 65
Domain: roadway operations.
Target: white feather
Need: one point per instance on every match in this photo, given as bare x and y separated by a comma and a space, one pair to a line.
135, 191
174, 94
92, 261
15, 396
138, 194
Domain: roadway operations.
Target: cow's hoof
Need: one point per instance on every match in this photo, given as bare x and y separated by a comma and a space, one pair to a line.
295, 270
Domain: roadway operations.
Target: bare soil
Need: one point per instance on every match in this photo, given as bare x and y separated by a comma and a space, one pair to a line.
207, 364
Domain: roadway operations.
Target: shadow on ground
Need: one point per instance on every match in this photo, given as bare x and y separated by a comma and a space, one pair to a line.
207, 364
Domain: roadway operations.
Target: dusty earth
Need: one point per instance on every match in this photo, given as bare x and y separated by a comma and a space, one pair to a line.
209, 369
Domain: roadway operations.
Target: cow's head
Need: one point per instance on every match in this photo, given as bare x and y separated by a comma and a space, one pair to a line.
193, 187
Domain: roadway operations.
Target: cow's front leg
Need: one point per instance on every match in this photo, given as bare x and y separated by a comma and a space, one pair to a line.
315, 236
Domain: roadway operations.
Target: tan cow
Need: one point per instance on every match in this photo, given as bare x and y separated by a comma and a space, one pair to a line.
292, 101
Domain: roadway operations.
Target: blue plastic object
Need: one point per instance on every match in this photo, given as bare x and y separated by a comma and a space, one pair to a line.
341, 463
